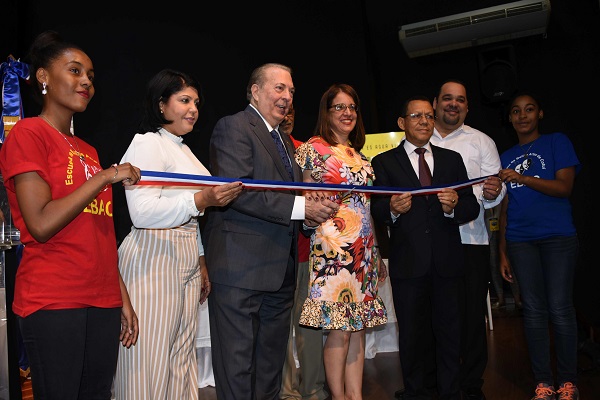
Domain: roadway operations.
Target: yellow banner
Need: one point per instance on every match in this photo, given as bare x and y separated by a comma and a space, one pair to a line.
9, 122
379, 142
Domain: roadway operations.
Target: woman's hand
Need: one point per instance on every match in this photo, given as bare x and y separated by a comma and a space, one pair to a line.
126, 173
218, 196
506, 271
129, 322
129, 326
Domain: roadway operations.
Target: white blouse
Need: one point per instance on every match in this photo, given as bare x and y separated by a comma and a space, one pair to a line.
161, 207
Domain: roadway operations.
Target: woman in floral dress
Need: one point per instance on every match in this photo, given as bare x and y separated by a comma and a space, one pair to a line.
344, 261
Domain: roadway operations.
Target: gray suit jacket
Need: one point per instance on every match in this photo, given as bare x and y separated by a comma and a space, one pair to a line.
247, 243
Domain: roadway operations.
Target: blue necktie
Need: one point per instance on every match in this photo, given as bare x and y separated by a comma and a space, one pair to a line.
282, 153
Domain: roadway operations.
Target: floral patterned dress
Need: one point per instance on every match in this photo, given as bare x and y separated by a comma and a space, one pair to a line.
343, 259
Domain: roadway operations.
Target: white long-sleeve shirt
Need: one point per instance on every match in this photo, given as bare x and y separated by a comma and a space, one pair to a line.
481, 158
162, 207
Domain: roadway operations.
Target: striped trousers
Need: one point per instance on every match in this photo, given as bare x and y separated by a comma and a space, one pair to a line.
161, 272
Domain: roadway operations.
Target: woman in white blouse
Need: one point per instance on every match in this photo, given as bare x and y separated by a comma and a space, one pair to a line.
162, 258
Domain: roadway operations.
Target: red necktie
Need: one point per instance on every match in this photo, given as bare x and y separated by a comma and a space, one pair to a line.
424, 171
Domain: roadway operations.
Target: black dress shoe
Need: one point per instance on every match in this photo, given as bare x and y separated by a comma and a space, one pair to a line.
399, 394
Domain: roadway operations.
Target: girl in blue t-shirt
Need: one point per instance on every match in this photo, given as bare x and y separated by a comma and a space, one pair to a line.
538, 242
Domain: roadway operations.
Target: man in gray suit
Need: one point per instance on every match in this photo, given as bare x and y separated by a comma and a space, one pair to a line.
251, 245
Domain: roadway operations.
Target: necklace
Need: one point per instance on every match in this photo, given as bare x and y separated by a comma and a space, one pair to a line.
79, 153
526, 152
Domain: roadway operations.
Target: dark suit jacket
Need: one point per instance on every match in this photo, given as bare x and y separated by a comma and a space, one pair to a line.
247, 244
424, 236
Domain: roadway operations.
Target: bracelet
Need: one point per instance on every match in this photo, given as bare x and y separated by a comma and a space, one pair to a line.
116, 173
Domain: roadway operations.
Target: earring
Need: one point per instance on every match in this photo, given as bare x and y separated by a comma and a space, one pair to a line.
44, 91
161, 111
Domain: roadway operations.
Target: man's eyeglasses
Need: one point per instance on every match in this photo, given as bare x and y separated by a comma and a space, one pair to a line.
342, 107
415, 117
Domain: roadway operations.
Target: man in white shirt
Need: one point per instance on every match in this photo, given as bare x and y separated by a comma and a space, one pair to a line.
480, 155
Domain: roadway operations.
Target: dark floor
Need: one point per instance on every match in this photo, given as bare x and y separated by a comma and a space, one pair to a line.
507, 377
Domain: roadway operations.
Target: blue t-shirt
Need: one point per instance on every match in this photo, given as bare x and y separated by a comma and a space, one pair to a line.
531, 214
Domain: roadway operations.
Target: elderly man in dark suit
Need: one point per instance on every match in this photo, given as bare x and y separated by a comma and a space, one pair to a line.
426, 255
250, 246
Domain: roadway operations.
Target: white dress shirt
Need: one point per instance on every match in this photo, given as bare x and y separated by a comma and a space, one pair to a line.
480, 155
414, 157
299, 201
414, 161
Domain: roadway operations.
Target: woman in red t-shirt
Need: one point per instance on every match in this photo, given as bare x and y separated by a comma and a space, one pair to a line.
71, 304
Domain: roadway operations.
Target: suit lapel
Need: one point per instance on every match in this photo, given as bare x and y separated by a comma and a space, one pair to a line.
406, 166
438, 157
263, 134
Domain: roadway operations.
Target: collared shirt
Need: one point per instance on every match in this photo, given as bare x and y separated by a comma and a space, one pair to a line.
414, 161
299, 201
480, 155
414, 157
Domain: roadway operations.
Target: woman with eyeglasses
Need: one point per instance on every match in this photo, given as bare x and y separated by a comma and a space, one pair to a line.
344, 265
539, 244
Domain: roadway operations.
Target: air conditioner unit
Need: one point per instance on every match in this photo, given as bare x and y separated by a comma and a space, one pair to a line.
473, 28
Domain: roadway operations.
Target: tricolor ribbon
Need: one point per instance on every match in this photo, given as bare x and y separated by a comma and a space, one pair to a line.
12, 109
157, 178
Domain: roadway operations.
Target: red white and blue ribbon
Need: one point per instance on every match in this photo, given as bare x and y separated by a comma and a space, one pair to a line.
157, 178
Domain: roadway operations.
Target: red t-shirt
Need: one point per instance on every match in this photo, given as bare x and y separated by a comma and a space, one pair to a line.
77, 267
303, 241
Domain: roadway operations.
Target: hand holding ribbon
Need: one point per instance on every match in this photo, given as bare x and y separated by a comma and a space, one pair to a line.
158, 178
